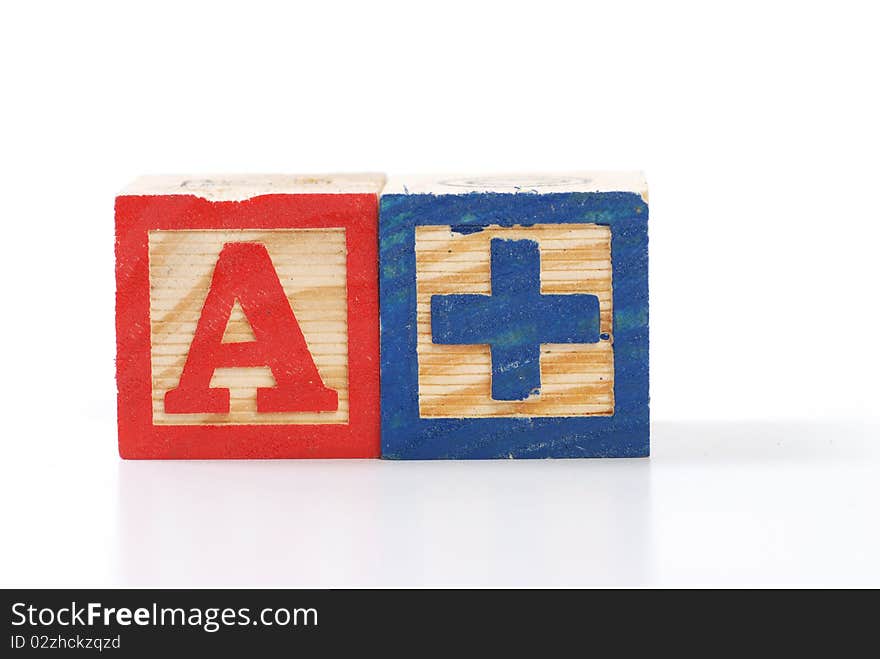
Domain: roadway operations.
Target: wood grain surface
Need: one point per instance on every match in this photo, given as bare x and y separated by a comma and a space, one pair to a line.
311, 265
455, 381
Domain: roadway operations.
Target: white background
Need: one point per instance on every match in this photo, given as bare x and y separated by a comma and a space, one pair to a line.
758, 125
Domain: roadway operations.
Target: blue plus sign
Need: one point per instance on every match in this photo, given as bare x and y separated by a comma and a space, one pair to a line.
516, 319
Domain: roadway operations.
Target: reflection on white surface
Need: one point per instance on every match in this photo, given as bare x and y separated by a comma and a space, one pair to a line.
333, 523
743, 503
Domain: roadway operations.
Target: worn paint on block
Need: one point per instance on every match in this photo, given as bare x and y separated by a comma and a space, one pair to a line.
514, 324
247, 317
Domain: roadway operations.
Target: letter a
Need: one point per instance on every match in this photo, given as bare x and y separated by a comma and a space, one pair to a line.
244, 272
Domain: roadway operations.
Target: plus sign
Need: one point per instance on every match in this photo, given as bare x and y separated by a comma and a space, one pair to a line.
515, 319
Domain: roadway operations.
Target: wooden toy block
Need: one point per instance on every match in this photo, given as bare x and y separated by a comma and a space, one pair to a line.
514, 316
247, 317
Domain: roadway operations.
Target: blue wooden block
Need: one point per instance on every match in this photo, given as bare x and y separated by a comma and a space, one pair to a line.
514, 317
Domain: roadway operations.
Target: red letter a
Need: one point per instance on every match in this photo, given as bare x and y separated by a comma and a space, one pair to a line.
245, 272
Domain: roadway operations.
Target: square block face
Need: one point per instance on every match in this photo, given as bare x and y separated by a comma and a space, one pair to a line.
247, 328
310, 264
455, 381
514, 325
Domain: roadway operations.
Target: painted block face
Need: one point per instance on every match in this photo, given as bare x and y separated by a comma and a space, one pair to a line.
247, 317
514, 317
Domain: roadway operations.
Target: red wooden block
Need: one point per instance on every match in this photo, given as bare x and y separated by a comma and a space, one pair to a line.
247, 317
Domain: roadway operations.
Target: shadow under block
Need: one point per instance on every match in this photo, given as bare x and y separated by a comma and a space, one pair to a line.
514, 317
247, 317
